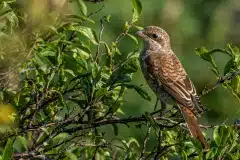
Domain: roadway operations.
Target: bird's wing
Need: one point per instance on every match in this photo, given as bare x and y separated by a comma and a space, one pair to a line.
167, 69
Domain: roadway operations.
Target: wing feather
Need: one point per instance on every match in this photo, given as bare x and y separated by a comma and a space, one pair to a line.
168, 70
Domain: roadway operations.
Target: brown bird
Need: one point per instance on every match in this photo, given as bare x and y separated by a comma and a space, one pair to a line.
168, 79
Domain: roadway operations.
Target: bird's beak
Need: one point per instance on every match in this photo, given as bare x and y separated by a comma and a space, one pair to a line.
140, 33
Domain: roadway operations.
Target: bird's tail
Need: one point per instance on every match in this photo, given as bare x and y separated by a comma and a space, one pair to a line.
193, 126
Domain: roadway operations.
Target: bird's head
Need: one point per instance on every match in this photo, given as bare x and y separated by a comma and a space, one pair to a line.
155, 38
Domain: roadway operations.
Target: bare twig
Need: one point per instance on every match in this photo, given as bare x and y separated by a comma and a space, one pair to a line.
86, 125
28, 155
96, 12
221, 80
100, 39
145, 143
147, 135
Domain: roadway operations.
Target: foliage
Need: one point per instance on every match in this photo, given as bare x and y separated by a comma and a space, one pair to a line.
70, 83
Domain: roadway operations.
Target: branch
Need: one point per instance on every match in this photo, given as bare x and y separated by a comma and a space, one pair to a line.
100, 39
96, 12
28, 156
221, 80
94, 1
85, 124
145, 143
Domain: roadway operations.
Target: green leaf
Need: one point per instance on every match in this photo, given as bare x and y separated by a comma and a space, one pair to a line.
115, 128
138, 27
8, 150
119, 110
226, 85
235, 85
216, 136
81, 53
42, 62
206, 55
198, 147
117, 95
69, 71
137, 5
137, 10
233, 49
139, 90
131, 65
184, 155
87, 32
126, 26
232, 156
81, 76
107, 49
51, 28
115, 49
133, 140
21, 144
107, 18
119, 78
229, 66
80, 18
60, 137
83, 7
225, 133
124, 143
101, 92
5, 11
59, 57
221, 135
135, 16
133, 38
212, 153
71, 156
215, 71
50, 78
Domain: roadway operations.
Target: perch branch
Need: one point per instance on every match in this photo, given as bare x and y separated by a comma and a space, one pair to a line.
221, 80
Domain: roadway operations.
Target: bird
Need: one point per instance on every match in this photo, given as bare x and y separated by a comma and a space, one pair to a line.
167, 77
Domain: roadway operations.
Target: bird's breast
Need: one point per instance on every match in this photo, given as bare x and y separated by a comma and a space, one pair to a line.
153, 82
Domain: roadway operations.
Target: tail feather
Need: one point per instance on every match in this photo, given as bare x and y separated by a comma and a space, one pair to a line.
193, 126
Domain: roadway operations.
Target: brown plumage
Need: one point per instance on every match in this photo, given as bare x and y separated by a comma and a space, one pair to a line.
168, 79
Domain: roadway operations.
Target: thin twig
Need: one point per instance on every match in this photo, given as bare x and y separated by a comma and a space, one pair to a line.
85, 124
228, 76
100, 39
96, 12
146, 138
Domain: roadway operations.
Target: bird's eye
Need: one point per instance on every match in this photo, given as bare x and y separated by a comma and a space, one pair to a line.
155, 35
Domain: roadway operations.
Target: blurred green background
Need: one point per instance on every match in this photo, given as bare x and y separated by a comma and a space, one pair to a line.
190, 24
